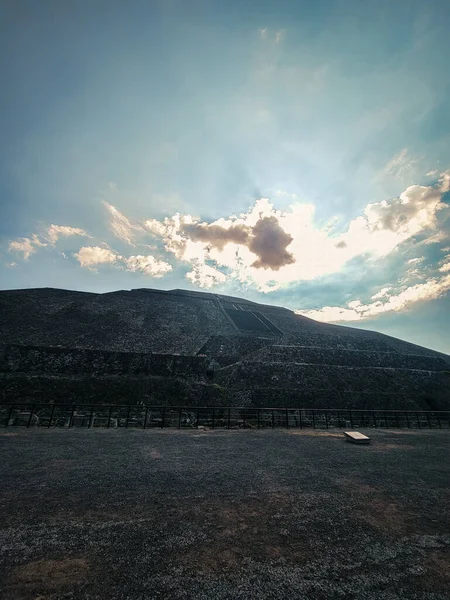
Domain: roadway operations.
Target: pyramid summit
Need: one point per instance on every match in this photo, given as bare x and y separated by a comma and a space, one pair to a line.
199, 348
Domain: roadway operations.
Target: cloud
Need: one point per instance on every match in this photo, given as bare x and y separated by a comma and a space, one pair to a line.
279, 36
266, 239
416, 261
91, 256
148, 265
268, 248
414, 210
396, 302
54, 232
121, 226
445, 264
205, 276
269, 242
400, 165
381, 294
263, 33
217, 236
28, 246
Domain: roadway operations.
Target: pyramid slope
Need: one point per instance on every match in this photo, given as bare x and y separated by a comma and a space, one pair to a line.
257, 353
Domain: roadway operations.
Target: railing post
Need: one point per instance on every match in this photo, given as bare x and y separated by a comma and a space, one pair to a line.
438, 419
229, 416
418, 420
363, 418
374, 419
31, 415
385, 420
243, 419
145, 418
351, 419
396, 420
128, 417
287, 419
259, 418
213, 414
91, 418
179, 418
71, 416
326, 418
428, 419
109, 416
197, 418
10, 415
163, 413
339, 419
407, 420
300, 419
273, 420
314, 418
51, 417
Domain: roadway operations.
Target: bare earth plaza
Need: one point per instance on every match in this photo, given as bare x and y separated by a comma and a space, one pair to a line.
131, 514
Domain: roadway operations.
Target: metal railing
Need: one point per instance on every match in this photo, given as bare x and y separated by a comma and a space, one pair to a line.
229, 417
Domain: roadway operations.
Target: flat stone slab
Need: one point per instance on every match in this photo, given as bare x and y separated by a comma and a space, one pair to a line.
355, 437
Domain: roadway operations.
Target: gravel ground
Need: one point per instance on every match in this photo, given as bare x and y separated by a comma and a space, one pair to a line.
122, 514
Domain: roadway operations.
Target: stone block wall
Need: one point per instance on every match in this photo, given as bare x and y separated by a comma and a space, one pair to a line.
345, 357
75, 361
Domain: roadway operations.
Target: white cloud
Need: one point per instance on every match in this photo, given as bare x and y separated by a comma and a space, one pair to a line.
148, 265
402, 164
121, 226
26, 246
416, 261
445, 264
54, 232
205, 276
444, 182
397, 302
381, 294
91, 256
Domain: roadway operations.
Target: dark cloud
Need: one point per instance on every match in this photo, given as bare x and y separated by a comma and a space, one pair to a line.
218, 236
269, 242
266, 239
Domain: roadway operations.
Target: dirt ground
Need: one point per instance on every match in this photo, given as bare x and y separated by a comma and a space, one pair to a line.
123, 514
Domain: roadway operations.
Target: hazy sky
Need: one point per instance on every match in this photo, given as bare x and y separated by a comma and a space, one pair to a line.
294, 153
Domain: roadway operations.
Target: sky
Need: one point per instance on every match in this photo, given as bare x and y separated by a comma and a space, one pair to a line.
292, 153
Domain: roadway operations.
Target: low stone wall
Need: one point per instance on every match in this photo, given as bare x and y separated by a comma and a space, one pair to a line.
78, 389
155, 391
331, 380
48, 360
349, 358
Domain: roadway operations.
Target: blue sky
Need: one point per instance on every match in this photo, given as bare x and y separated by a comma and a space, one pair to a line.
294, 153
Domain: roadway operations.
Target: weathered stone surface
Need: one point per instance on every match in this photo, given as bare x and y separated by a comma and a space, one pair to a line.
197, 348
